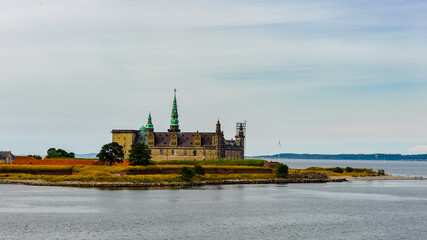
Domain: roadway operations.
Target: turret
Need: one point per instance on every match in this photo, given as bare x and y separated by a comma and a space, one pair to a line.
174, 127
218, 127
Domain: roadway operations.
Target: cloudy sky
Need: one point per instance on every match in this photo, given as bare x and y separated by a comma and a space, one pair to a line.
321, 76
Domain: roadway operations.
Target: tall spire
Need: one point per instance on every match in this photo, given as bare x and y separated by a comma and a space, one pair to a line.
149, 126
174, 127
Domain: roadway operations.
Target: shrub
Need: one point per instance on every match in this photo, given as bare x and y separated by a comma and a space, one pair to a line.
199, 170
381, 172
338, 170
349, 169
281, 171
187, 174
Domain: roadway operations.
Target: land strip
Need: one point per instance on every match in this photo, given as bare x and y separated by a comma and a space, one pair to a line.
163, 184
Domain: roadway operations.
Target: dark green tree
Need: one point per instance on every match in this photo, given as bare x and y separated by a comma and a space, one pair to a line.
349, 169
281, 171
338, 170
199, 170
58, 153
187, 174
111, 153
139, 155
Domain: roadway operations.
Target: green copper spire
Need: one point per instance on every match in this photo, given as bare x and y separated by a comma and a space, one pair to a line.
149, 123
174, 115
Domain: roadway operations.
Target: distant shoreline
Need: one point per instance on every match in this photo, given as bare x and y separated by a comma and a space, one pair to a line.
370, 157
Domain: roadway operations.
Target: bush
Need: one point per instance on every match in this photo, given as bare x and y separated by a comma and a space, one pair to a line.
349, 169
281, 171
338, 170
187, 174
381, 172
199, 170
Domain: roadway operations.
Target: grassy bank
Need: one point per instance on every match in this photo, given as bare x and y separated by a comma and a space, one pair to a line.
93, 173
217, 162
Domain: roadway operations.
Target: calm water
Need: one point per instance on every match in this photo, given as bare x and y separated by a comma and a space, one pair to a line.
400, 168
351, 210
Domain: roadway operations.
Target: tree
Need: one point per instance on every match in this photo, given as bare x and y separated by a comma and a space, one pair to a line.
187, 174
349, 169
111, 153
281, 171
139, 155
199, 170
58, 153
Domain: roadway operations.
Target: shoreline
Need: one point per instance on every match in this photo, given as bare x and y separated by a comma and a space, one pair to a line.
202, 183
163, 184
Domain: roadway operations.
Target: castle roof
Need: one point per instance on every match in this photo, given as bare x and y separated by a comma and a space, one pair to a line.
185, 139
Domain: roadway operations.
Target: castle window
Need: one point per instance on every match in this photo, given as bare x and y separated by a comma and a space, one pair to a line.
172, 152
204, 152
185, 151
161, 151
194, 153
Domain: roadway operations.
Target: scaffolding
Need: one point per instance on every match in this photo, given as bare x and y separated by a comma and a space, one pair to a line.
238, 127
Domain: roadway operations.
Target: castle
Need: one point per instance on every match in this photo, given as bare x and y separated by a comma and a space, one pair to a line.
177, 145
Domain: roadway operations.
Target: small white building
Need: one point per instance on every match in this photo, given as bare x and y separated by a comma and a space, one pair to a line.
6, 157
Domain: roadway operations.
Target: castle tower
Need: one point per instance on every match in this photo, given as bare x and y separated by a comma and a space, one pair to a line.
240, 136
218, 141
174, 127
149, 127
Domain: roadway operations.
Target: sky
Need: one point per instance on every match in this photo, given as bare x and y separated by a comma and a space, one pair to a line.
320, 76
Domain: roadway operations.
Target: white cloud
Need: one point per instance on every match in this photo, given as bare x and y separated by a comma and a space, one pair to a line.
417, 149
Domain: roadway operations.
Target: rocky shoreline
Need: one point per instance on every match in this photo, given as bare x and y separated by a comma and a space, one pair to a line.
163, 184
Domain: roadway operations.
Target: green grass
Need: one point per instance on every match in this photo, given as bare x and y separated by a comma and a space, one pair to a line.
218, 162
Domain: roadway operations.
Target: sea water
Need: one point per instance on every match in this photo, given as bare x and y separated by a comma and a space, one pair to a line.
398, 168
391, 209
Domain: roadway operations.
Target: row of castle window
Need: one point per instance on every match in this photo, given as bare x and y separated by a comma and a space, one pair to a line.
185, 152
